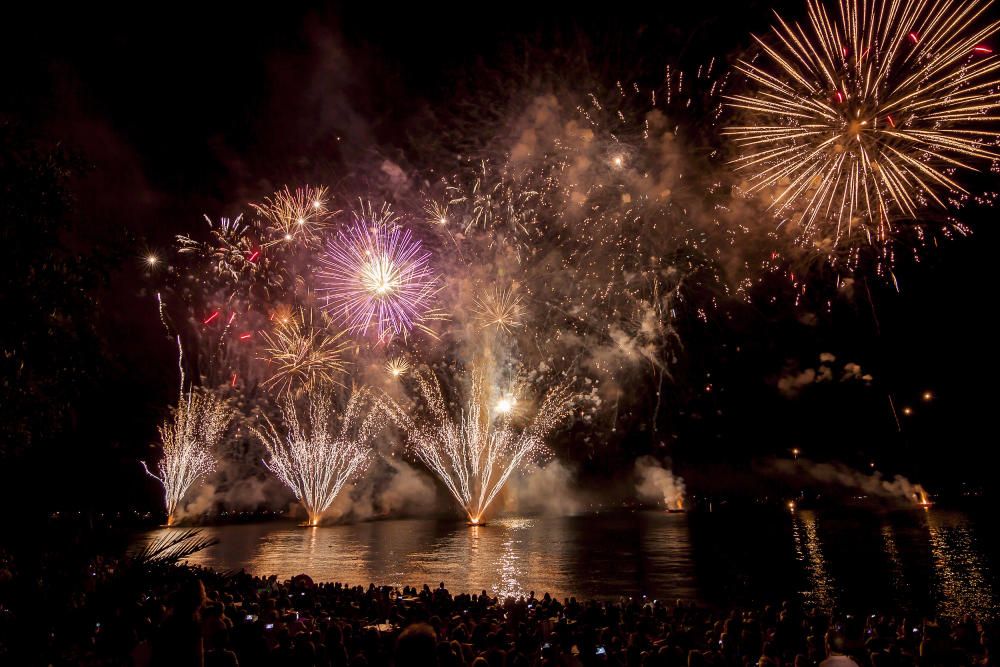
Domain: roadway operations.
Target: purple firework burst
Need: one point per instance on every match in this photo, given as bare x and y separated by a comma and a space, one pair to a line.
376, 277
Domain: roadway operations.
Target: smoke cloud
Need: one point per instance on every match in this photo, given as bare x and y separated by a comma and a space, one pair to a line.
875, 484
656, 484
549, 489
392, 487
793, 382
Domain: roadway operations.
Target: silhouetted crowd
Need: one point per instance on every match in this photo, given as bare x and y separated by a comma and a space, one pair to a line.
188, 616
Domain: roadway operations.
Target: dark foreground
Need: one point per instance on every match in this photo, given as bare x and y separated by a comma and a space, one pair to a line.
154, 612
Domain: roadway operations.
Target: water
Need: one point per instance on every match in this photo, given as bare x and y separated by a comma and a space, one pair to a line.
935, 561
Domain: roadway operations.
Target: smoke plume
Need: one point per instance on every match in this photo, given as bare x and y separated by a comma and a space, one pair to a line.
836, 474
656, 484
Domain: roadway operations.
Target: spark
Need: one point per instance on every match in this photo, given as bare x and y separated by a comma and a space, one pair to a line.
189, 438
320, 451
232, 253
911, 109
397, 366
499, 307
377, 277
302, 352
302, 214
437, 213
475, 452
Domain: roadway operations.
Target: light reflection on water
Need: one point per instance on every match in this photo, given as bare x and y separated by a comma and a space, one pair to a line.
822, 589
897, 574
930, 562
961, 580
564, 556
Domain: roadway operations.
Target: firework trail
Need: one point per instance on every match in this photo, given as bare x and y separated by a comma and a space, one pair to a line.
475, 452
189, 438
375, 276
860, 118
320, 451
302, 351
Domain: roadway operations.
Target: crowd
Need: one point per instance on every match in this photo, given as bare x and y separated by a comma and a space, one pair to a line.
187, 616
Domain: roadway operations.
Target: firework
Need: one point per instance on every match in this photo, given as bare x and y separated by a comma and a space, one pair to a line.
475, 452
377, 277
500, 308
320, 451
859, 119
232, 251
302, 353
189, 438
302, 215
397, 366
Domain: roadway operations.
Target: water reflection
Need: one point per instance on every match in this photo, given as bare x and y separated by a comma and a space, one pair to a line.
898, 585
932, 562
822, 590
961, 578
667, 546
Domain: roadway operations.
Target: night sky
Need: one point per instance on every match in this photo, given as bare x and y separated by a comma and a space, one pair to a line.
180, 112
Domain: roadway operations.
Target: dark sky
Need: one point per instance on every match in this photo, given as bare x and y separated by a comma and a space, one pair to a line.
185, 110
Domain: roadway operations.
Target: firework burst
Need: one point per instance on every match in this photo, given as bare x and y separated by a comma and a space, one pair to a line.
299, 215
500, 308
301, 352
377, 277
397, 366
321, 450
475, 452
232, 251
861, 117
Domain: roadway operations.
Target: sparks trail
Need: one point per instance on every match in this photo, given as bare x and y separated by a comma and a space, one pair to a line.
320, 451
475, 452
189, 438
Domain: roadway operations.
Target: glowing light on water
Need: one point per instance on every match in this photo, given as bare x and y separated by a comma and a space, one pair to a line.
809, 551
962, 579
